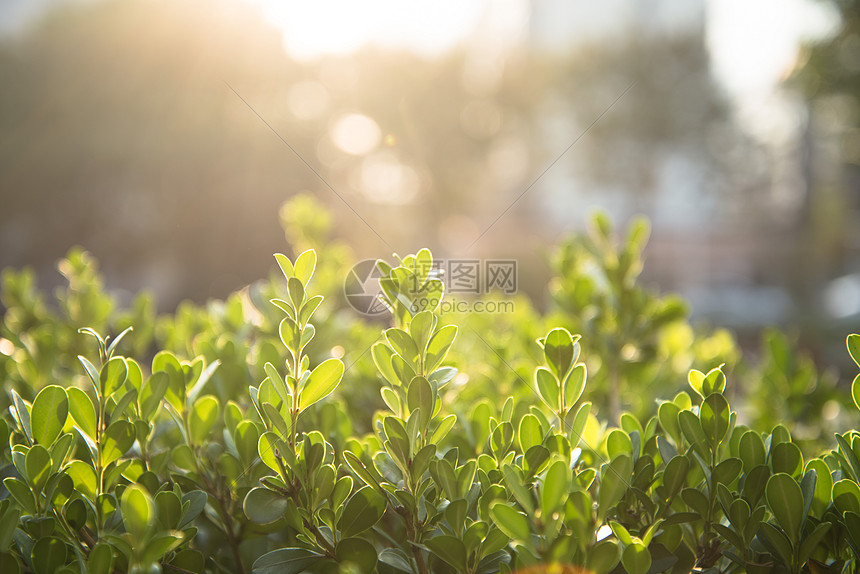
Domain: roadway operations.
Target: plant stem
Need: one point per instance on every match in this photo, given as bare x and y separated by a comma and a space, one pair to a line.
227, 519
413, 539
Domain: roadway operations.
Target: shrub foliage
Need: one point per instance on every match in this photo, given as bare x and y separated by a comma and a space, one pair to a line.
271, 433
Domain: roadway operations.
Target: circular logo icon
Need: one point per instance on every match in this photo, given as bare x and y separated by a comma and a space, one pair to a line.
362, 290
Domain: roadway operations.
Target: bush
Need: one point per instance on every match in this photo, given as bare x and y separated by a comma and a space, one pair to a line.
249, 436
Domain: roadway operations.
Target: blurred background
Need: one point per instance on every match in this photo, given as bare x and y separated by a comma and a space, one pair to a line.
163, 137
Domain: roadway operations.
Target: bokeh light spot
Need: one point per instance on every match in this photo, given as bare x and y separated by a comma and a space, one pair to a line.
356, 134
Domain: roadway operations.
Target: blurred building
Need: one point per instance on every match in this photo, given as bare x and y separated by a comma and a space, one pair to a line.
730, 211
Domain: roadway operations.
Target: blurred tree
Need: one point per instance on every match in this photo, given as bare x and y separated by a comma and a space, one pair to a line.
126, 139
669, 147
827, 74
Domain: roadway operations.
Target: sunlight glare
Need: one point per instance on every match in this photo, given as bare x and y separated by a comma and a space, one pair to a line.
322, 27
307, 100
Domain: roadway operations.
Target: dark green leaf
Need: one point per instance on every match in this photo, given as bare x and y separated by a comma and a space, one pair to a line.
510, 521
262, 505
450, 549
48, 555
48, 414
362, 511
785, 500
636, 558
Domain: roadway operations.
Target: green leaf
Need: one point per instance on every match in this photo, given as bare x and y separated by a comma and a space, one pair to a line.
421, 329
38, 465
122, 404
21, 493
574, 385
8, 523
189, 560
604, 556
152, 393
296, 291
48, 414
785, 500
165, 362
558, 350
395, 559
515, 485
438, 347
786, 457
692, 429
118, 438
246, 438
100, 559
530, 432
667, 414
636, 558
305, 265
727, 471
443, 428
555, 487
168, 509
403, 345
160, 544
547, 386
203, 416
84, 478
22, 414
697, 501
82, 410
420, 396
778, 541
398, 438
357, 552
675, 475
822, 495
853, 344
91, 371
615, 478
262, 505
621, 533
510, 521
811, 542
112, 375
751, 450
286, 561
362, 511
278, 383
286, 265
193, 504
714, 382
696, 379
715, 415
739, 513
578, 423
846, 496
450, 549
322, 381
138, 511
618, 442
269, 448
48, 555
